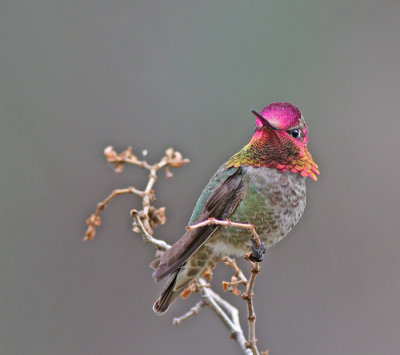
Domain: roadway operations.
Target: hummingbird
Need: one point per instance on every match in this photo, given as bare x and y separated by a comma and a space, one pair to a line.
264, 184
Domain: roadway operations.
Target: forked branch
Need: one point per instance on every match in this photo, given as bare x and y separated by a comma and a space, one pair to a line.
148, 217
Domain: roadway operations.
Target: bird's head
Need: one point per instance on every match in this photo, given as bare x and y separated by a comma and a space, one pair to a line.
279, 142
283, 120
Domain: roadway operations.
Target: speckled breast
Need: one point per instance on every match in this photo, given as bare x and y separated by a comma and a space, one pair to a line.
274, 202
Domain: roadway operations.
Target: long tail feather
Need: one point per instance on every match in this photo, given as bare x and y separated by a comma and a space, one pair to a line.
168, 295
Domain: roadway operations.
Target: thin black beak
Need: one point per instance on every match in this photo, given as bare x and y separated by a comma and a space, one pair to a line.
262, 118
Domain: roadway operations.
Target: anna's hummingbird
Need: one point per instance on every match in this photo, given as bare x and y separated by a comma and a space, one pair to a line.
263, 184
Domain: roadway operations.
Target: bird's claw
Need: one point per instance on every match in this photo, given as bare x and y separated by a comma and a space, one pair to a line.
258, 252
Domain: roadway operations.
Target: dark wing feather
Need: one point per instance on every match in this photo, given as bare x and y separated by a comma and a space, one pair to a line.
220, 205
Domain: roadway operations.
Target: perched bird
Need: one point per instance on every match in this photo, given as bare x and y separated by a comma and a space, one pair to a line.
263, 184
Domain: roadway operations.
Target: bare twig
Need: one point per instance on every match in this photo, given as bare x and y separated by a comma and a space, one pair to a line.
94, 220
228, 314
171, 158
147, 237
237, 279
192, 312
251, 315
228, 223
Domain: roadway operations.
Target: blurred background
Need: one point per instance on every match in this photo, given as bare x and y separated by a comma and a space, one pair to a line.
77, 76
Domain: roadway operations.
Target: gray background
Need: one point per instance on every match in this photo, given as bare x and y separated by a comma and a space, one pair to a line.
76, 76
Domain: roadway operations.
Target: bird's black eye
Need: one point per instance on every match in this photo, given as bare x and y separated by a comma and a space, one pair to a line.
255, 129
295, 133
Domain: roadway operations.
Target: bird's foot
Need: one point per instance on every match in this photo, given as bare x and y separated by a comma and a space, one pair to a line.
258, 251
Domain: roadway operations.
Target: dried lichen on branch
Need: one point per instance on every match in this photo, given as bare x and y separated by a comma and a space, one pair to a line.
148, 217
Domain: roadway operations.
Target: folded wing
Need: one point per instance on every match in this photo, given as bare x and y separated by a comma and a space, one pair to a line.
220, 204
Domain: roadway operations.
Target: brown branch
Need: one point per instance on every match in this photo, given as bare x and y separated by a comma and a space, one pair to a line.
237, 279
149, 217
94, 220
228, 223
251, 315
171, 158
